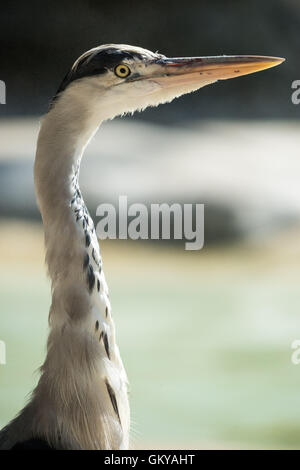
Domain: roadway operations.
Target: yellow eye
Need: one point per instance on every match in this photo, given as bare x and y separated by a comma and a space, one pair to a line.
122, 71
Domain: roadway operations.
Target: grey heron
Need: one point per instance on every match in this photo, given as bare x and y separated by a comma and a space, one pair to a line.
81, 399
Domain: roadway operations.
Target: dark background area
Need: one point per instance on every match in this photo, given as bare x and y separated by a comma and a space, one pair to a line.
40, 41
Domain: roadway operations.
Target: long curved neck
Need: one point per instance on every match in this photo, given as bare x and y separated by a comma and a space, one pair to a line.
61, 143
81, 398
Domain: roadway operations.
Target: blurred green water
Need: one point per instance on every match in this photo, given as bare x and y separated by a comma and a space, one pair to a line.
209, 359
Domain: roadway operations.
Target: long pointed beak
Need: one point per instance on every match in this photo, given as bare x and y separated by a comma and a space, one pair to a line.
190, 70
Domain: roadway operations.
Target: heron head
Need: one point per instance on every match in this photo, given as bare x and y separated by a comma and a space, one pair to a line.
115, 78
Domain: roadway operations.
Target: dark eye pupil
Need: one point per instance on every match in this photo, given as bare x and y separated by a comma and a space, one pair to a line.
122, 70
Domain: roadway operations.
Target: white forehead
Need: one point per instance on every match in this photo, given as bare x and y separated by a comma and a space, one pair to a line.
145, 53
128, 48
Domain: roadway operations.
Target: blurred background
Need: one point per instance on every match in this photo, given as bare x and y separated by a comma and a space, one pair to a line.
206, 336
